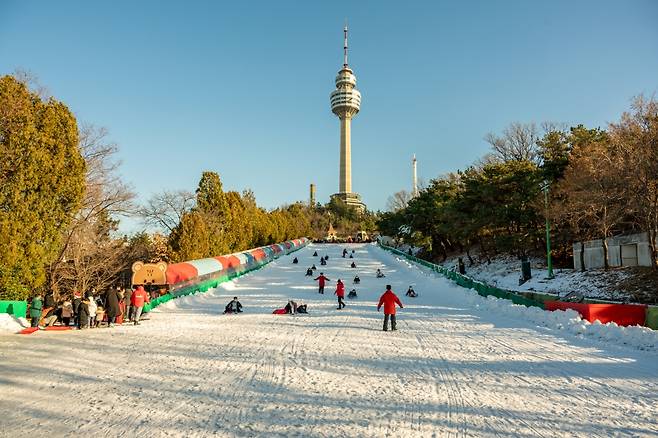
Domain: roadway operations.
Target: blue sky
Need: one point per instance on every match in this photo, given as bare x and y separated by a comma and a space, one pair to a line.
242, 88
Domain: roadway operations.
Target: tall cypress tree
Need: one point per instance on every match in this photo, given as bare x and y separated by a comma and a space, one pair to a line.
42, 177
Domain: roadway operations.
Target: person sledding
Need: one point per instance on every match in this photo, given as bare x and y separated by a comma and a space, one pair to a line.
352, 294
380, 274
356, 280
313, 267
411, 292
321, 282
389, 300
291, 307
309, 272
295, 261
323, 262
353, 265
351, 256
340, 293
315, 254
233, 306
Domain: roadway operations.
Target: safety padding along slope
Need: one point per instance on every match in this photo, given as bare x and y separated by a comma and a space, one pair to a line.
623, 315
181, 279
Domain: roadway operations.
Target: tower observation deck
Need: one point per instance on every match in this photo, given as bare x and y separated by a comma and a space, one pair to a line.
346, 103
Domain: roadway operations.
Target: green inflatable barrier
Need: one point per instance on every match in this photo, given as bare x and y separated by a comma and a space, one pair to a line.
652, 317
16, 308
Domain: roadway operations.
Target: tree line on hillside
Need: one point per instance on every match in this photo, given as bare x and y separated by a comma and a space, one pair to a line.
61, 200
599, 183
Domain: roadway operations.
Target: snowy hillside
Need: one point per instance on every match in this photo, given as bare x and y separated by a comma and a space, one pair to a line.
504, 272
459, 365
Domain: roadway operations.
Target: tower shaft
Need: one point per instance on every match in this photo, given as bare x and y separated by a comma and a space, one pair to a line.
345, 182
414, 187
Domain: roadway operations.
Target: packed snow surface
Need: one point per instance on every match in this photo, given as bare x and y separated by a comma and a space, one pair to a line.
459, 365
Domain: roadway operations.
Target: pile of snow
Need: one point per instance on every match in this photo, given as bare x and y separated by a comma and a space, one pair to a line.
11, 324
642, 338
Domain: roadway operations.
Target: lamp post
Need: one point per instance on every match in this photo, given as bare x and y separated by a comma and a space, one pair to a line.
549, 261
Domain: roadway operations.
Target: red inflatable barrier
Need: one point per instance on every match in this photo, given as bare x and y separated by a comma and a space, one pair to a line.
622, 314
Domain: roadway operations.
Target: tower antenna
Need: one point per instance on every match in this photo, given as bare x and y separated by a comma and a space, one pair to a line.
345, 45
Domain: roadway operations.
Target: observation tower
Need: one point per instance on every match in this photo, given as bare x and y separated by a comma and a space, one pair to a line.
345, 103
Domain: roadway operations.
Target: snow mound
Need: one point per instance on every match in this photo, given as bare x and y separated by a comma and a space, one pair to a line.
11, 324
642, 338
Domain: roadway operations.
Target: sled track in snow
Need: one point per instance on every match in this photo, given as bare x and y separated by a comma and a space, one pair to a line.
451, 369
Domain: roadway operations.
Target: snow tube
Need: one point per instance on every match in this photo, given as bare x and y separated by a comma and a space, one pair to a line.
57, 328
279, 312
622, 314
28, 331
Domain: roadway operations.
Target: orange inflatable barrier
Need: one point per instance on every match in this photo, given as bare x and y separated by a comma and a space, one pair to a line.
622, 314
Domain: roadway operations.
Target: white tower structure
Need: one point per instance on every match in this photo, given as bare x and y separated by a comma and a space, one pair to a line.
414, 186
345, 103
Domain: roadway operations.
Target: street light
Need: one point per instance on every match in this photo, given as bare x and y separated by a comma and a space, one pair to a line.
549, 261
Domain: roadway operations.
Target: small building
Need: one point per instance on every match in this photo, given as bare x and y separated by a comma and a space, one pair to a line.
331, 234
629, 250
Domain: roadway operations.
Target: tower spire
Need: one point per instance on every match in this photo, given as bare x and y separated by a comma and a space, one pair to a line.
345, 46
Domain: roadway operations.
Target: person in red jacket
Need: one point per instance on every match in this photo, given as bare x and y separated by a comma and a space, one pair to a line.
321, 281
340, 293
389, 300
137, 300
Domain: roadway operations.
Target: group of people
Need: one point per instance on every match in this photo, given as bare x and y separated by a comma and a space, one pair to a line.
116, 305
388, 300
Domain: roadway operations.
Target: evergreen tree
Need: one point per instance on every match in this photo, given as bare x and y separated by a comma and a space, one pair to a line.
41, 184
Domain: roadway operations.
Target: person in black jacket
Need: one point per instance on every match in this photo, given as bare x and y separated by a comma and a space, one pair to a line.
112, 309
49, 301
77, 299
234, 306
83, 314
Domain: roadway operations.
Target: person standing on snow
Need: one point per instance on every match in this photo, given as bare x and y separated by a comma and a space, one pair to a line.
321, 281
36, 306
127, 295
340, 293
389, 300
139, 297
112, 308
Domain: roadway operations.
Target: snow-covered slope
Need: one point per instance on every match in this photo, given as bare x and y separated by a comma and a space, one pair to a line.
458, 366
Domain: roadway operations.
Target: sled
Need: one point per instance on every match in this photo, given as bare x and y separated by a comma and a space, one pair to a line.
279, 312
28, 331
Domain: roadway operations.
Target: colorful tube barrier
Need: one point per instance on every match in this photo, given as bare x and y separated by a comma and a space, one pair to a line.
198, 275
195, 276
621, 314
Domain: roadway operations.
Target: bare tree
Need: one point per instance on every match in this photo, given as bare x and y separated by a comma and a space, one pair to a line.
31, 81
399, 200
518, 142
88, 245
635, 138
166, 209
